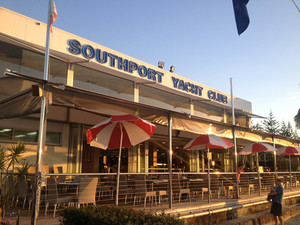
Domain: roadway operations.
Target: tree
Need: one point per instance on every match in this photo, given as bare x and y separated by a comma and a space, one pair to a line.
271, 125
289, 130
283, 129
297, 119
14, 155
258, 127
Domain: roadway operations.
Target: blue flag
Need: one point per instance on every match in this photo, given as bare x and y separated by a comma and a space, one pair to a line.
241, 15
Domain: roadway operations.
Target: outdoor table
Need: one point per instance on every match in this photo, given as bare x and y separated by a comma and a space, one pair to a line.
74, 185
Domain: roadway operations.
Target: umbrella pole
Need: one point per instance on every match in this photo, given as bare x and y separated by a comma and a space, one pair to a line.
119, 165
290, 172
258, 173
275, 159
208, 174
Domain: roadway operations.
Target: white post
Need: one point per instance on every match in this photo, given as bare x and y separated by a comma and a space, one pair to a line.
290, 172
170, 161
42, 129
208, 174
119, 165
258, 173
234, 139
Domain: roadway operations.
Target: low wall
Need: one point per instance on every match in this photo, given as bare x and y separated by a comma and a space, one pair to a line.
259, 211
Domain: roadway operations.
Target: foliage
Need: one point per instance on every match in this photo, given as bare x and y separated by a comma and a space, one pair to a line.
23, 170
113, 215
297, 119
5, 222
258, 127
14, 154
271, 125
2, 159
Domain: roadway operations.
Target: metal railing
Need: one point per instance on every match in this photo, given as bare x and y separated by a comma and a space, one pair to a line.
137, 190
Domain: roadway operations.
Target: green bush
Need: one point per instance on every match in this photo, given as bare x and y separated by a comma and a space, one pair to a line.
114, 215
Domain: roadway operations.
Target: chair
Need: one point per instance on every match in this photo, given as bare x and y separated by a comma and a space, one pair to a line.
203, 191
177, 189
57, 169
123, 188
251, 189
141, 190
162, 188
106, 187
230, 191
215, 185
87, 191
11, 190
52, 196
22, 191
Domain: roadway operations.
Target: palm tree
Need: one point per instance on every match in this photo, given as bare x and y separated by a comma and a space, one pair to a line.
14, 154
297, 119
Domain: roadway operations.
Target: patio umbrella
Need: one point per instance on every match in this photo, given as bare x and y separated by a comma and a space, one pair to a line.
207, 141
289, 150
256, 148
119, 132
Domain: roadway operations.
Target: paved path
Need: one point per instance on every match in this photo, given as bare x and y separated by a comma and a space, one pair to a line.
293, 221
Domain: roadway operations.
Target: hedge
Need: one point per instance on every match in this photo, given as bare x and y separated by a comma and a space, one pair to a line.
115, 215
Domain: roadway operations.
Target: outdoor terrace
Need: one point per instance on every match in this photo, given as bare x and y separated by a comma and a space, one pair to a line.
190, 192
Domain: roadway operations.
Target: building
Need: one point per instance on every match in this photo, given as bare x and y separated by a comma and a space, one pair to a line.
89, 83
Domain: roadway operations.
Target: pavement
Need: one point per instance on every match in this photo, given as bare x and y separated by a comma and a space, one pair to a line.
293, 221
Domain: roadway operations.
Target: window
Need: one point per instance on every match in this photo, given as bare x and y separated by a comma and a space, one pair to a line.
103, 83
30, 63
155, 97
208, 111
10, 134
6, 134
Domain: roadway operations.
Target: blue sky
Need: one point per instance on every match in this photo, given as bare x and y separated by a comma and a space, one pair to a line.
200, 39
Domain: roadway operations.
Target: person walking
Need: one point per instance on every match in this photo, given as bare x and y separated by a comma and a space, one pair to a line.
276, 196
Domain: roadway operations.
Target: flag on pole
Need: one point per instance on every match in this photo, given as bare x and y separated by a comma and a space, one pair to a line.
53, 14
241, 15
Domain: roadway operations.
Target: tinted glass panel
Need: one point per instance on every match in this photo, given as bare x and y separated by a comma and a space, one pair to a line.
6, 134
26, 136
10, 57
53, 138
208, 111
103, 83
155, 97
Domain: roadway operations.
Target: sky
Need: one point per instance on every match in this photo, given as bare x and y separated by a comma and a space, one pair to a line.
200, 39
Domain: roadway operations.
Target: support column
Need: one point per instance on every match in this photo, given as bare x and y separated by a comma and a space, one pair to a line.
170, 159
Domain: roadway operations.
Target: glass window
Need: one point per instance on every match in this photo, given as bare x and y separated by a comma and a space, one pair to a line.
25, 136
240, 119
30, 63
53, 138
33, 65
10, 57
6, 134
208, 111
103, 83
162, 99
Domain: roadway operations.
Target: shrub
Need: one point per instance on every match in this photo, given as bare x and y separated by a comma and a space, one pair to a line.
115, 215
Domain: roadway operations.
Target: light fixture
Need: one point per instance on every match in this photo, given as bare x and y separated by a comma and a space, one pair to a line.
161, 64
172, 68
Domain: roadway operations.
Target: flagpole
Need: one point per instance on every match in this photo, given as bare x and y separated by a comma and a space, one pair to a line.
42, 129
234, 139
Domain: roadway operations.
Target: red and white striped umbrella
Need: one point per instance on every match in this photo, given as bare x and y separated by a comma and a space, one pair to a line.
207, 141
256, 148
118, 132
107, 134
288, 150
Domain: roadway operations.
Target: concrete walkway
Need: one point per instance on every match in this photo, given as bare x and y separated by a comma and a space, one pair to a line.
186, 209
